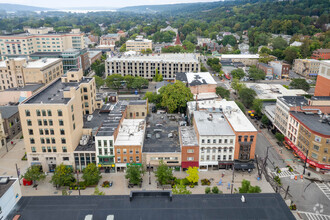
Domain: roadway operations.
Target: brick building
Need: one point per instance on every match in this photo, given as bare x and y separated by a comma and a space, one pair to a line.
11, 121
323, 54
189, 147
281, 69
322, 87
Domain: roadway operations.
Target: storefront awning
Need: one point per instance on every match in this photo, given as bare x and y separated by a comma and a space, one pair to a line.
243, 166
187, 164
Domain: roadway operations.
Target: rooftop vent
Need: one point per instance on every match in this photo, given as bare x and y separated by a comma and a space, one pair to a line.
4, 180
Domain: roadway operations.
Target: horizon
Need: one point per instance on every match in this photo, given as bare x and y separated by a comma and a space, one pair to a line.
98, 3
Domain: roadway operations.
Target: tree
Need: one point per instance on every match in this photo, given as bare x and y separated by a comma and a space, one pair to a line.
224, 93
180, 189
122, 48
207, 190
192, 174
257, 106
265, 50
134, 173
190, 47
229, 39
175, 96
34, 174
215, 190
256, 74
114, 81
98, 81
246, 96
291, 53
279, 137
247, 188
98, 67
203, 69
153, 98
129, 81
238, 73
163, 173
300, 84
63, 176
236, 85
265, 58
139, 83
279, 43
158, 77
91, 174
97, 192
240, 105
265, 120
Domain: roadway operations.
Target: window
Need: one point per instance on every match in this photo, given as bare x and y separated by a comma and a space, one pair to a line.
43, 149
124, 151
30, 132
251, 138
50, 121
54, 149
208, 141
316, 147
229, 157
220, 141
41, 131
62, 132
231, 141
38, 112
43, 113
143, 114
118, 151
35, 159
105, 151
63, 141
239, 138
72, 117
46, 132
32, 141
224, 157
203, 141
49, 149
59, 113
325, 150
317, 139
27, 113
60, 122
190, 151
100, 151
66, 158
45, 122
137, 151
125, 159
74, 126
47, 140
39, 122
111, 143
131, 151
71, 108
327, 141
53, 141
51, 131
29, 122
207, 157
137, 159
314, 155
118, 159
105, 143
64, 149
49, 112
42, 140
214, 141
33, 149
130, 114
130, 159
190, 158
245, 138
225, 141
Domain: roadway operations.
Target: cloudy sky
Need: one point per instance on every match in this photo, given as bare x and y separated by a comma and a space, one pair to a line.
95, 3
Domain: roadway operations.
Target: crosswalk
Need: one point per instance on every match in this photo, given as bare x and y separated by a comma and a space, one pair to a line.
314, 216
284, 173
325, 188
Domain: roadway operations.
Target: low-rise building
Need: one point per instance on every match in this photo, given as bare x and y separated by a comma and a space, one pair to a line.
16, 95
11, 121
323, 54
109, 39
189, 147
138, 44
169, 28
94, 55
322, 87
246, 59
10, 194
268, 70
145, 65
202, 41
306, 67
281, 69
200, 82
137, 109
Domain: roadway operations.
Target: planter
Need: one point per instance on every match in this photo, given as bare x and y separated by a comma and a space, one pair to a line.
27, 183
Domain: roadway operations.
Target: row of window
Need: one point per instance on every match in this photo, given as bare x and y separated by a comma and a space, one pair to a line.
209, 158
49, 149
137, 159
43, 112
46, 131
225, 141
214, 150
47, 140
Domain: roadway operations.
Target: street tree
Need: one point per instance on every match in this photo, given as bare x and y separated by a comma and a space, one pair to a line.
257, 106
246, 96
265, 120
279, 137
247, 188
158, 77
256, 74
139, 82
153, 98
134, 173
238, 73
122, 48
300, 84
91, 174
34, 174
175, 96
192, 174
236, 85
129, 81
98, 81
63, 176
98, 67
114, 81
240, 105
180, 189
163, 173
97, 192
224, 93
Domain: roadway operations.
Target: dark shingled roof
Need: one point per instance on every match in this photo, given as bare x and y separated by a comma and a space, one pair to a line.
154, 205
8, 111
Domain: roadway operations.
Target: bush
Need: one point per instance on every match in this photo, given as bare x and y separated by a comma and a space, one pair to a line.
279, 137
106, 184
215, 190
205, 182
185, 182
278, 180
290, 168
207, 190
24, 158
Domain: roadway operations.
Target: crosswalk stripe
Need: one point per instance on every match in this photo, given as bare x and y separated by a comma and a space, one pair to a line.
324, 188
315, 216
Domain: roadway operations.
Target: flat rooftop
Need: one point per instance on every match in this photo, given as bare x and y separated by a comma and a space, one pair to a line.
53, 94
212, 123
272, 91
294, 100
200, 78
159, 127
96, 121
42, 63
131, 132
231, 111
188, 136
5, 186
27, 87
239, 56
3, 64
313, 122
169, 57
268, 206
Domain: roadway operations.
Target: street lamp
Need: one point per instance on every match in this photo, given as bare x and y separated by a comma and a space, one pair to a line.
305, 162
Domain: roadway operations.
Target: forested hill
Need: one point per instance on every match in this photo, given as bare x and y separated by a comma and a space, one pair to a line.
16, 7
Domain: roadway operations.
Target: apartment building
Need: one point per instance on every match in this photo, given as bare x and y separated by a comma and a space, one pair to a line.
52, 119
313, 139
189, 147
43, 39
268, 70
109, 39
11, 121
138, 44
137, 109
18, 72
323, 54
281, 70
201, 82
145, 65
306, 67
322, 87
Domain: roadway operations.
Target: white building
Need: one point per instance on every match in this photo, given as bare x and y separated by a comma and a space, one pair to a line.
169, 28
10, 194
202, 40
138, 44
296, 44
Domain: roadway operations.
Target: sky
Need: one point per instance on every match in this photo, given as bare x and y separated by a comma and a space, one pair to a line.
95, 3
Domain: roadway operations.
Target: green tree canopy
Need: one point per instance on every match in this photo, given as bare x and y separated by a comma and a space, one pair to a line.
98, 67
236, 85
238, 73
139, 82
224, 93
98, 81
180, 189
91, 174
34, 174
122, 48
158, 77
134, 173
257, 106
246, 96
63, 176
256, 74
247, 188
300, 84
279, 137
279, 43
229, 39
114, 81
154, 98
291, 53
175, 96
265, 120
129, 81
163, 173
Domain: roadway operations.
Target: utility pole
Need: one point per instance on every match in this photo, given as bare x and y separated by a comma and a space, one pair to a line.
259, 173
149, 174
232, 180
18, 172
286, 192
78, 182
305, 162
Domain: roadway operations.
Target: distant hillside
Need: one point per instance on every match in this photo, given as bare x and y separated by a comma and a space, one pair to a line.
16, 7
